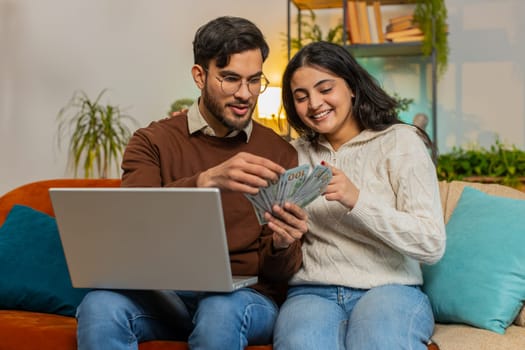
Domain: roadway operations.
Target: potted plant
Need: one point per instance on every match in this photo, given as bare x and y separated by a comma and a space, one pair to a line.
312, 32
180, 104
97, 132
498, 164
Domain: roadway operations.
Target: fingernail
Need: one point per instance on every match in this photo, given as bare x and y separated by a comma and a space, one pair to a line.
323, 162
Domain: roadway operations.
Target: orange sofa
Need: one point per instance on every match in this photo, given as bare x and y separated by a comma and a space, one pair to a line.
25, 330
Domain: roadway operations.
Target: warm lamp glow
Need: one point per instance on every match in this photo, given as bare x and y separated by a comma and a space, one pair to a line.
269, 104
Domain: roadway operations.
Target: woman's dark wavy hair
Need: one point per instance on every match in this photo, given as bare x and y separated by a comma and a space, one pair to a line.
224, 36
372, 109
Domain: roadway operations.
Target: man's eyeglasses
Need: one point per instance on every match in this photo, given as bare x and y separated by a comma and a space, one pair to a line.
230, 84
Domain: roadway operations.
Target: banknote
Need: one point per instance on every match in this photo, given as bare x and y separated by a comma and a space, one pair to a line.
300, 185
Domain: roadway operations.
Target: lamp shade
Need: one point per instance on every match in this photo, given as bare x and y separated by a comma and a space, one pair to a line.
269, 103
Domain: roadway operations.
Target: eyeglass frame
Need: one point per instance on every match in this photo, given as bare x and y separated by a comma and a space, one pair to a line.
264, 83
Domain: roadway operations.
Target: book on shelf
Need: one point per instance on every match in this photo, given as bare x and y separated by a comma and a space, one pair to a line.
374, 34
402, 18
364, 24
378, 21
353, 23
395, 27
407, 39
404, 33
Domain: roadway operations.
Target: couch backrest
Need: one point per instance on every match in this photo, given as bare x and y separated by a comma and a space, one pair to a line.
451, 191
36, 194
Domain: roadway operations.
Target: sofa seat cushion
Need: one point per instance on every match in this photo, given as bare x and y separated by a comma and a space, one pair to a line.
26, 330
463, 337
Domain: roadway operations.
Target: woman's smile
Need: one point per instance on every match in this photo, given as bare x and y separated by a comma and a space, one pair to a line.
321, 115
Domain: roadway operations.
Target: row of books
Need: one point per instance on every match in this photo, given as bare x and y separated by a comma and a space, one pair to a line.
362, 23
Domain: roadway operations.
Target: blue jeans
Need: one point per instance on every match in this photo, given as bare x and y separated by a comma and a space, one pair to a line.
330, 317
118, 320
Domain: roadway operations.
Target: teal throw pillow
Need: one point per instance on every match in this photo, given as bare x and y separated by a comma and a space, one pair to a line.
33, 270
480, 281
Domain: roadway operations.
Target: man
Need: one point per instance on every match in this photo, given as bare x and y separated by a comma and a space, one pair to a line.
213, 144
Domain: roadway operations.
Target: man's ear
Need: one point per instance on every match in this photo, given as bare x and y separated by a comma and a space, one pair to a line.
199, 76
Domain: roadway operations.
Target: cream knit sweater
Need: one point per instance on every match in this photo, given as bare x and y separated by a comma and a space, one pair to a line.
396, 224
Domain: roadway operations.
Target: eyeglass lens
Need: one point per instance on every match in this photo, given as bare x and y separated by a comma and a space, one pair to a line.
231, 85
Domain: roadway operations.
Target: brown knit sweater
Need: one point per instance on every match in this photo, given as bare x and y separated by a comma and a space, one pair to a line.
165, 154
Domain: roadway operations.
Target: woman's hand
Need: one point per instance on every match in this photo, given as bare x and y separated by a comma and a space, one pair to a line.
288, 223
341, 189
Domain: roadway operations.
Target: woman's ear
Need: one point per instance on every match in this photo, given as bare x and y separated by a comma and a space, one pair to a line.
199, 76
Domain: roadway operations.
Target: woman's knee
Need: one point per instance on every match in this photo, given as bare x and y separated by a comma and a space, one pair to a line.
400, 314
309, 322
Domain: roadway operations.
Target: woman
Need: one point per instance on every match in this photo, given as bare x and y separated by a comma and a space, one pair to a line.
379, 218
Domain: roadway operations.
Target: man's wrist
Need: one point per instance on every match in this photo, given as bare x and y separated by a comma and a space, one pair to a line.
278, 249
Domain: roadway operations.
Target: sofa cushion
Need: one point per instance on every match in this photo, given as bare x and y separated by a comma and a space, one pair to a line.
450, 193
520, 320
480, 280
32, 265
26, 330
462, 337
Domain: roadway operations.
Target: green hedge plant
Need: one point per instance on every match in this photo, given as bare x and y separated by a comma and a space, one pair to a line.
499, 164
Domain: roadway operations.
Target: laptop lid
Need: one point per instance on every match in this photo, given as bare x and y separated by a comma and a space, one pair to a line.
145, 238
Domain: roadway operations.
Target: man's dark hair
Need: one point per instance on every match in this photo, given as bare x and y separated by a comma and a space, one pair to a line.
225, 36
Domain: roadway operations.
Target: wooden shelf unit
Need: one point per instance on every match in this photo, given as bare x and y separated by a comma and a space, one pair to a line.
330, 4
386, 49
302, 5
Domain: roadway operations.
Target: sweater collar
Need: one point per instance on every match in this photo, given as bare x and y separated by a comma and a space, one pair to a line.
365, 136
196, 122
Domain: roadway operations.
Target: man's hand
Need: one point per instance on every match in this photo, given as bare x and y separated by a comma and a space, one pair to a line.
244, 172
288, 223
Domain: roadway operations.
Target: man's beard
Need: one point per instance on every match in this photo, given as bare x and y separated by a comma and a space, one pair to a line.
217, 111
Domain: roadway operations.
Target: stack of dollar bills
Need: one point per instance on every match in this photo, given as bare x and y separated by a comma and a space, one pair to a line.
298, 185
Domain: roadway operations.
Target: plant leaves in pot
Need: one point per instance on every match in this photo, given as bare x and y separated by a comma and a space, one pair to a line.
97, 133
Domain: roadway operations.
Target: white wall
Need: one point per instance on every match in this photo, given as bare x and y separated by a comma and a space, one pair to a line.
141, 50
483, 92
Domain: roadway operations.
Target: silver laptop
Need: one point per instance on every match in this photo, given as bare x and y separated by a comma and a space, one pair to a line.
145, 238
